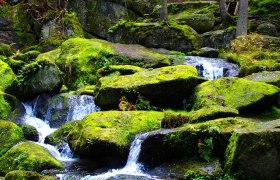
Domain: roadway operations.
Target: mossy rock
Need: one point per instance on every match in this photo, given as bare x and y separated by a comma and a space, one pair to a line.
28, 156
218, 39
7, 76
10, 108
26, 175
255, 61
30, 133
236, 93
176, 119
10, 135
266, 76
189, 140
168, 35
80, 59
106, 134
121, 69
250, 151
39, 77
201, 23
166, 86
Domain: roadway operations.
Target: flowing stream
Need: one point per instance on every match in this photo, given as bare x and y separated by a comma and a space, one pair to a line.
81, 106
212, 68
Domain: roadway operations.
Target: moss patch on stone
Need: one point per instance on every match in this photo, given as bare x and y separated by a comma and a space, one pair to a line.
255, 61
121, 69
163, 86
10, 134
26, 175
102, 133
266, 76
27, 156
7, 76
235, 93
80, 59
176, 119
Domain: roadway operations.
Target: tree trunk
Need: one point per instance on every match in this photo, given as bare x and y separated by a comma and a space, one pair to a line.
223, 10
164, 12
242, 22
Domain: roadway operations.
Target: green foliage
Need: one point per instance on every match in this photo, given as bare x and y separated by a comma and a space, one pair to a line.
252, 42
265, 8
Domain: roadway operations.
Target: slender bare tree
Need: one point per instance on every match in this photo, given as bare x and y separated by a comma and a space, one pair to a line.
223, 10
242, 22
164, 12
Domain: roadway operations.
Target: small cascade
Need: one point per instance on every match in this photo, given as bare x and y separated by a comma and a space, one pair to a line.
132, 167
79, 106
212, 68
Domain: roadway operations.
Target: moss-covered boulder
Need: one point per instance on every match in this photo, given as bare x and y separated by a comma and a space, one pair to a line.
201, 23
235, 93
7, 76
251, 151
80, 59
10, 108
28, 156
10, 135
165, 87
206, 139
169, 35
219, 38
175, 119
29, 132
26, 175
39, 77
266, 76
106, 134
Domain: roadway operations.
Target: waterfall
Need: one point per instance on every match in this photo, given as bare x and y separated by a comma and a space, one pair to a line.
78, 108
212, 68
132, 167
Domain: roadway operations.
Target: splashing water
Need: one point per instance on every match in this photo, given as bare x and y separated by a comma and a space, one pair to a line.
212, 68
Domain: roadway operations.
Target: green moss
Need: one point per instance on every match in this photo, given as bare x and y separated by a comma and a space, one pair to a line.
235, 93
255, 61
117, 127
176, 119
7, 76
26, 175
27, 156
86, 90
122, 69
5, 107
230, 151
10, 135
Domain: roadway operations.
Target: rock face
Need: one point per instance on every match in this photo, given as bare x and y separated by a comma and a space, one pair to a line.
106, 134
107, 13
10, 108
39, 77
27, 156
250, 152
189, 141
170, 35
266, 76
80, 58
235, 93
166, 86
10, 135
218, 39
